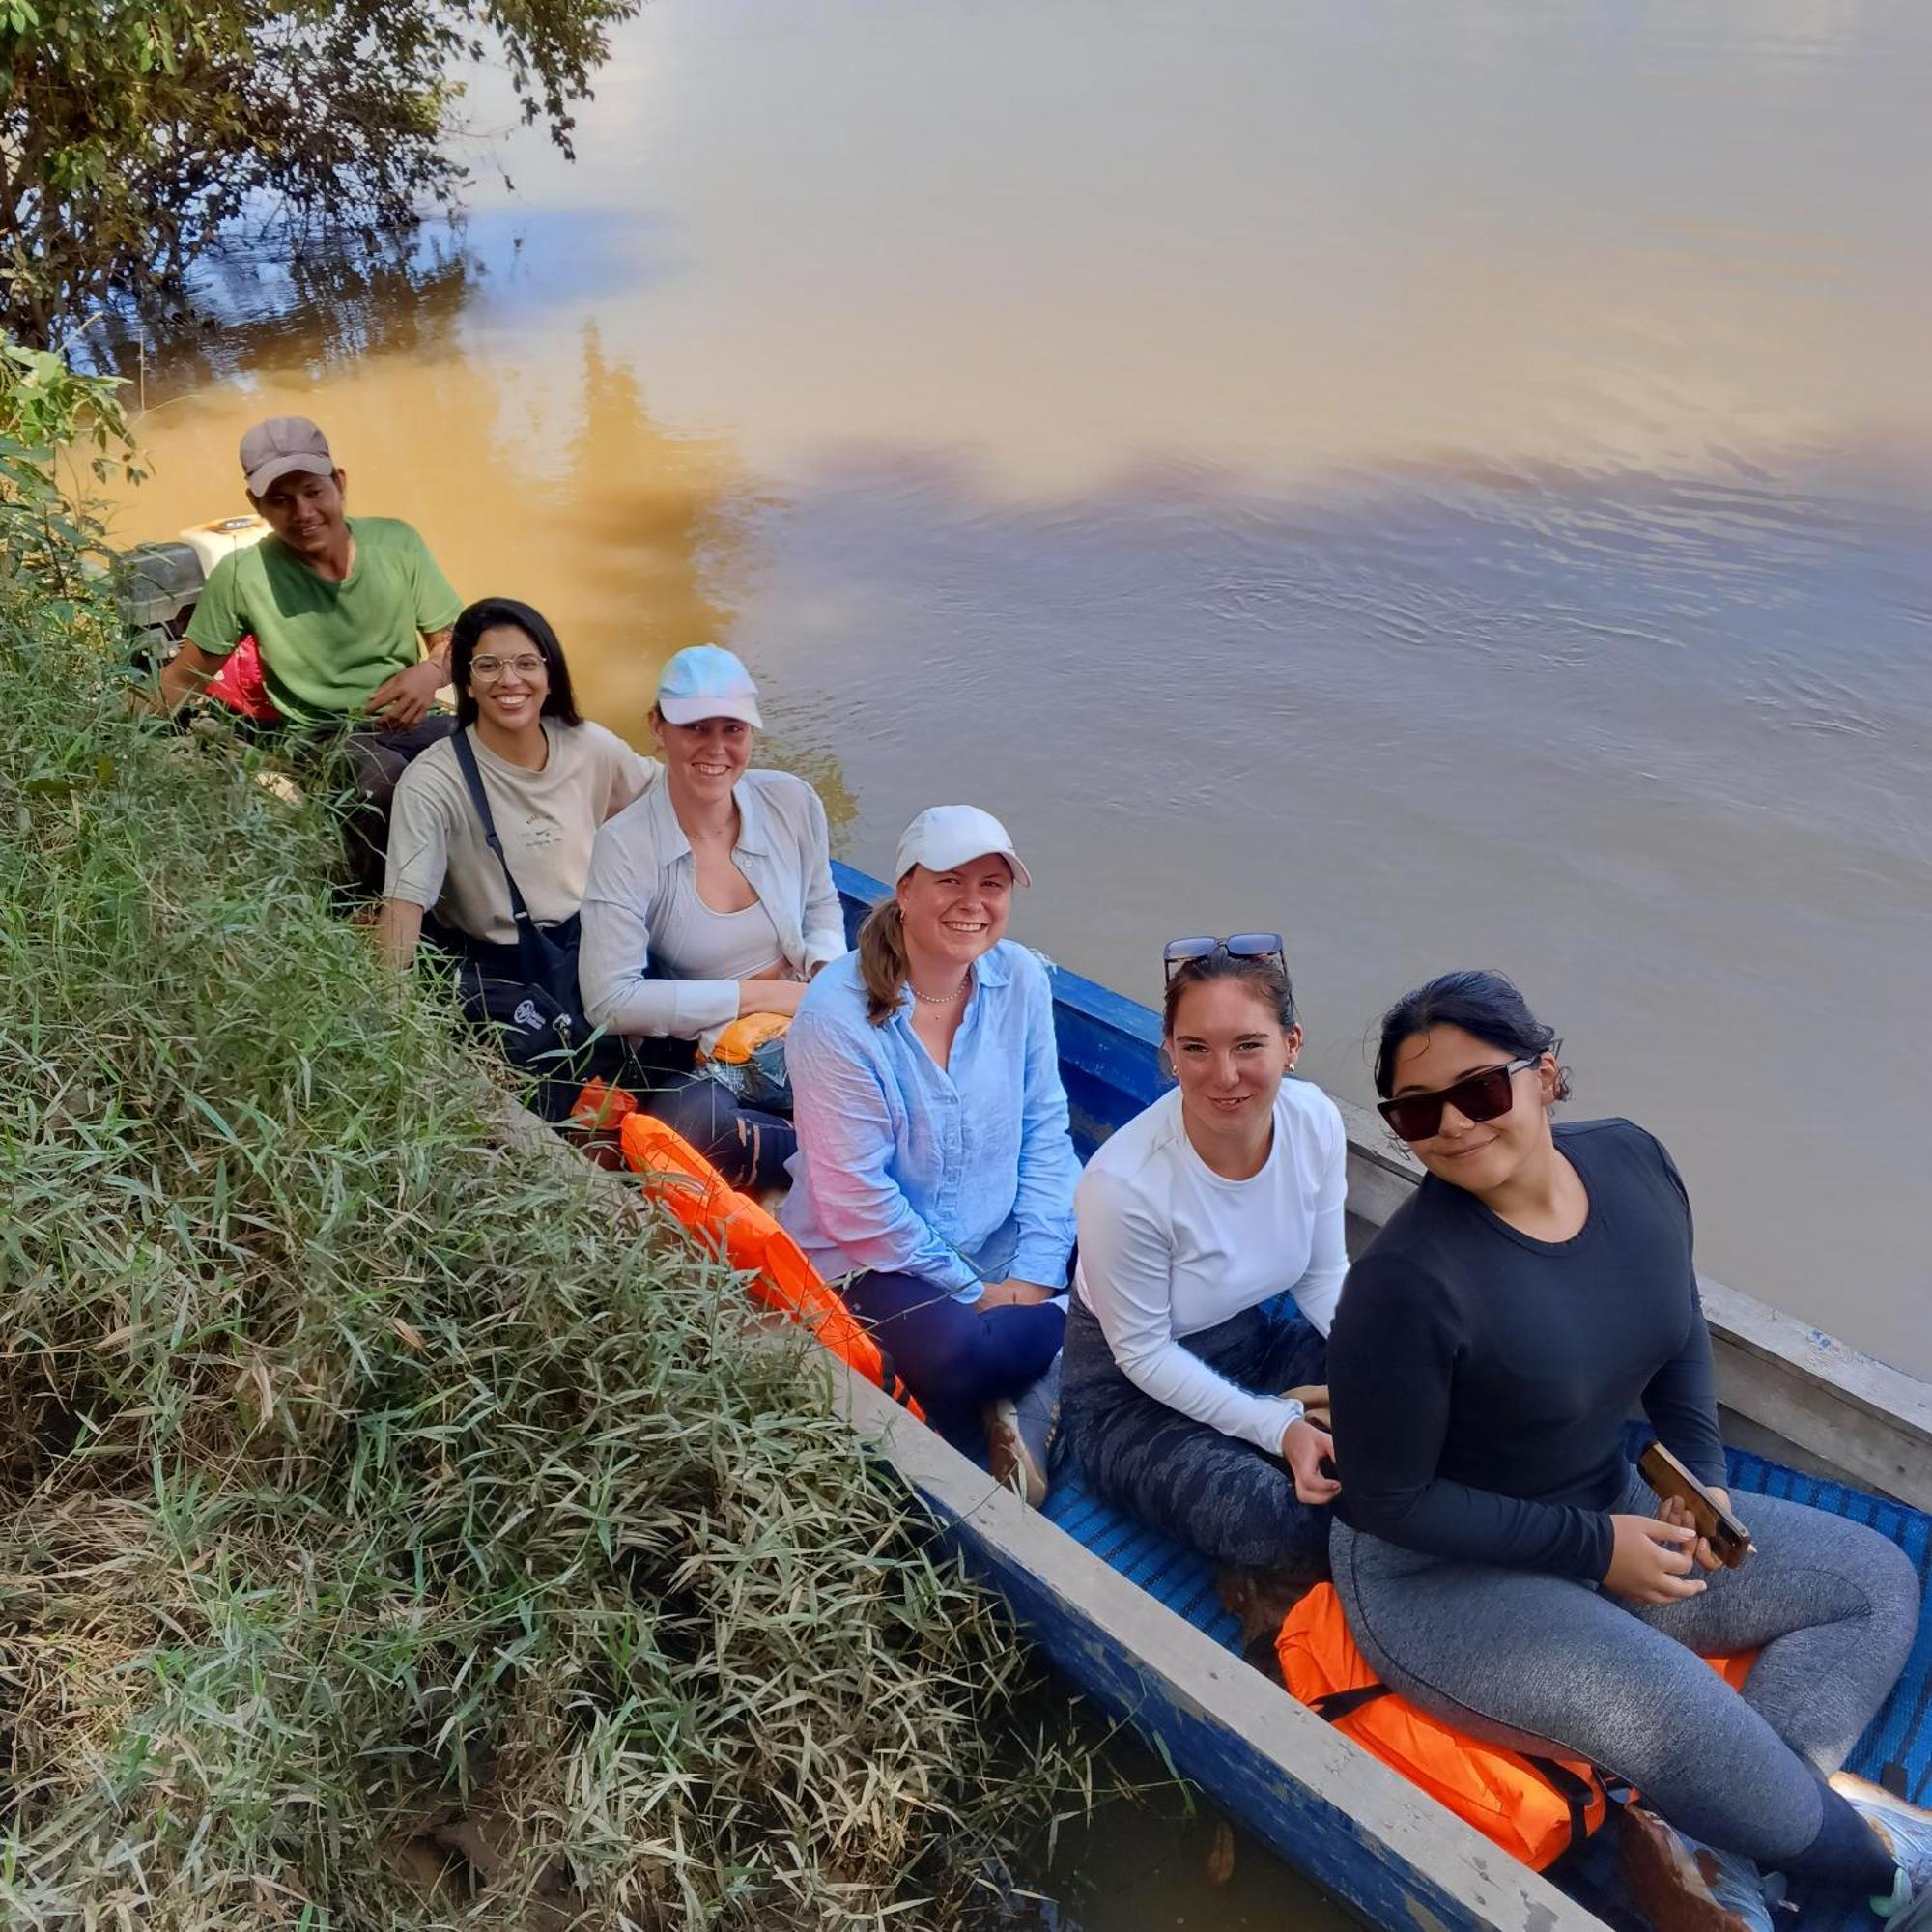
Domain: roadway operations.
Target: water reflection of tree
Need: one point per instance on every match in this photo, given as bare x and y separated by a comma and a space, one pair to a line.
390, 295
672, 523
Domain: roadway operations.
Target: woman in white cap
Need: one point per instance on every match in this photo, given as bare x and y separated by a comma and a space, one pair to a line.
708, 898
934, 1165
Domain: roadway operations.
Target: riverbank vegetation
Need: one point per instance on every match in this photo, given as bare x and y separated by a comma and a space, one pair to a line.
388, 1539
136, 134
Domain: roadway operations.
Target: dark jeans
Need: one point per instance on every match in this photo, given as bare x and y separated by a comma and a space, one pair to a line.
371, 762
1532, 1662
748, 1147
955, 1357
1223, 1496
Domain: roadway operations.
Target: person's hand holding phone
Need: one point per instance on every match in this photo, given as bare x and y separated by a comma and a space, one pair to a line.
1675, 1510
1651, 1561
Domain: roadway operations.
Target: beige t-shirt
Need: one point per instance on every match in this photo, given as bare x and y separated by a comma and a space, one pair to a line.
439, 859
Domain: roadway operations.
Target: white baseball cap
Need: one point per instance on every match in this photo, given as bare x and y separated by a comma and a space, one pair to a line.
944, 837
707, 681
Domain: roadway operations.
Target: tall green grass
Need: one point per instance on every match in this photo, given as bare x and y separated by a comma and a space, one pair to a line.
388, 1541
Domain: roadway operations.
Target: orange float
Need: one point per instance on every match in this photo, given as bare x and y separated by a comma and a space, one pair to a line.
736, 1228
1534, 1807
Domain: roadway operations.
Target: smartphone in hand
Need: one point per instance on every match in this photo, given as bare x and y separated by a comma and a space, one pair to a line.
1729, 1540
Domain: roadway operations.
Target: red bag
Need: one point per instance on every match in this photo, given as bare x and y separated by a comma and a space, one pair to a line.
241, 685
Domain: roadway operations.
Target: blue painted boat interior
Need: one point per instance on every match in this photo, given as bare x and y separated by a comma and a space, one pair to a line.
1108, 1048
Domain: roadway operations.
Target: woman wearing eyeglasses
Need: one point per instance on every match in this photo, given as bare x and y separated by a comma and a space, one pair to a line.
935, 1166
1498, 1559
551, 779
1179, 1391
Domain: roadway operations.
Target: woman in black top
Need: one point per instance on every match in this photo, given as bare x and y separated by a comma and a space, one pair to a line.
1498, 1559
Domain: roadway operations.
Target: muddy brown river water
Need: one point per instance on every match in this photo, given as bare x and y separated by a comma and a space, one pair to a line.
1451, 482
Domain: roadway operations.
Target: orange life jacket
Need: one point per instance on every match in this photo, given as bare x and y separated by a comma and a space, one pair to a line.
733, 1226
1534, 1807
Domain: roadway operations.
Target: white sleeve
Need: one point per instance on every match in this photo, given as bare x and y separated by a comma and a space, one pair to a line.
615, 954
1320, 1289
1127, 1278
417, 859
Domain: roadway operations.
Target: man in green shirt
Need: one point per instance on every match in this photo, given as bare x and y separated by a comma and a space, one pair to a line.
351, 616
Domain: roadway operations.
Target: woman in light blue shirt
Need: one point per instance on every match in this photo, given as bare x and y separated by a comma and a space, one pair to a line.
934, 1164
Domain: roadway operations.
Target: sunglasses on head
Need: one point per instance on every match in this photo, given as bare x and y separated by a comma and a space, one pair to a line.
1237, 946
1481, 1096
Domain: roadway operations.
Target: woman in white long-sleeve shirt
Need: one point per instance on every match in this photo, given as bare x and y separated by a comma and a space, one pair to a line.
1194, 1219
708, 898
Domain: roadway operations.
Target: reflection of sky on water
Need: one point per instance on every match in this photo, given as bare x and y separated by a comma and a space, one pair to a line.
1456, 475
1281, 235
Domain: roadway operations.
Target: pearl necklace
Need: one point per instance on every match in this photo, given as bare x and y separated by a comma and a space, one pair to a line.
943, 999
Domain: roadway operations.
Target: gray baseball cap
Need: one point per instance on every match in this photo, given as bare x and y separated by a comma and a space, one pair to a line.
283, 446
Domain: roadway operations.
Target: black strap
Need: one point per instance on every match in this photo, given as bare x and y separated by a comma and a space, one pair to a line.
473, 778
1339, 1704
1575, 1792
548, 956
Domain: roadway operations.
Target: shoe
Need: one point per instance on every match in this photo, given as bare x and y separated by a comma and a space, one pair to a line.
1680, 1886
1907, 1832
1008, 1457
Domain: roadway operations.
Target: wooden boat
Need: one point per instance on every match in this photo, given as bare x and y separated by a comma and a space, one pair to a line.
1133, 1618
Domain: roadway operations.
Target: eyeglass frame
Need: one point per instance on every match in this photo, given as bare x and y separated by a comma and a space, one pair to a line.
525, 663
1205, 946
1444, 1096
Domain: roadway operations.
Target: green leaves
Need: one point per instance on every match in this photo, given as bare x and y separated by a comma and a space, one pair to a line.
132, 132
48, 541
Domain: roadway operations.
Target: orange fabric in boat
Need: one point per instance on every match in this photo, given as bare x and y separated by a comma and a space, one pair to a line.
735, 1227
1535, 1809
743, 1036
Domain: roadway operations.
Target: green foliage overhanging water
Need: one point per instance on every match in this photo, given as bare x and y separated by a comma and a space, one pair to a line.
390, 1541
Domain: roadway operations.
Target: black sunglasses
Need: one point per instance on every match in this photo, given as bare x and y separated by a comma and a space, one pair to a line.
1481, 1096
1237, 946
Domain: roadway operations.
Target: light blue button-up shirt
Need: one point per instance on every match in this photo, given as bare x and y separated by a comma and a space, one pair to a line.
959, 1175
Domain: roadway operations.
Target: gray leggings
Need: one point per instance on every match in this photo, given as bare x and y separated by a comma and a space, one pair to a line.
1529, 1661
